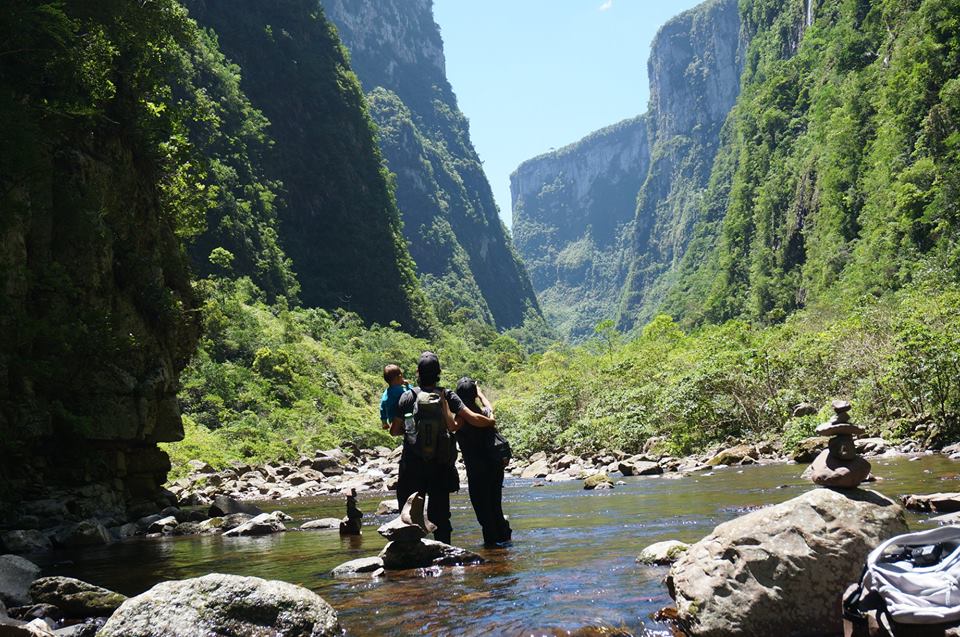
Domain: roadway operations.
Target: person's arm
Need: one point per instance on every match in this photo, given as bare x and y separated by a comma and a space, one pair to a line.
397, 427
484, 402
469, 416
453, 423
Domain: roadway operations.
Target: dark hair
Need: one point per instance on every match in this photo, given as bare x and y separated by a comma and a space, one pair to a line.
428, 369
467, 391
391, 372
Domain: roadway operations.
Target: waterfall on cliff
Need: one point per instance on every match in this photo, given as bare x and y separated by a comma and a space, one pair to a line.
809, 12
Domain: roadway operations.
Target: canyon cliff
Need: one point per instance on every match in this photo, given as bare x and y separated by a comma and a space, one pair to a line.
464, 254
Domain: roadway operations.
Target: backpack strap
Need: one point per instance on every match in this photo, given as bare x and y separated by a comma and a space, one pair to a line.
851, 603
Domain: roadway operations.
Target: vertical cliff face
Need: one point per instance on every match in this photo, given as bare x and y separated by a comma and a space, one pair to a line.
339, 222
695, 65
694, 68
463, 252
571, 210
96, 316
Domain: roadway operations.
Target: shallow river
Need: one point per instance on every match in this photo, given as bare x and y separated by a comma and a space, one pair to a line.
572, 563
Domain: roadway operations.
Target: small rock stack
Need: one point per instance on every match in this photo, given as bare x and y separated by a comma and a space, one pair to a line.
352, 524
839, 465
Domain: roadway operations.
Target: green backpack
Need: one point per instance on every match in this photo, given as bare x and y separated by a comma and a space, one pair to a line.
428, 435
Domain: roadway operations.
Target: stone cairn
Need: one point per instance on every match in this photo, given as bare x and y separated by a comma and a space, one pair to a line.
351, 524
411, 526
839, 465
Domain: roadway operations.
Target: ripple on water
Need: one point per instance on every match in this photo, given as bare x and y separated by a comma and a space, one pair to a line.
571, 567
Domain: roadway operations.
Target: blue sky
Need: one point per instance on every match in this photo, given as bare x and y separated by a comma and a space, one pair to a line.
532, 75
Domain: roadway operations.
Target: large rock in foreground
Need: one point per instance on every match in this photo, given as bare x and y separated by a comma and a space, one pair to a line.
218, 605
783, 569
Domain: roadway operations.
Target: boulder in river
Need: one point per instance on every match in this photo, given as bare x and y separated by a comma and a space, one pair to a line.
86, 533
598, 481
224, 605
263, 524
933, 502
828, 470
323, 523
734, 455
661, 553
782, 570
810, 448
398, 556
368, 566
639, 466
16, 575
388, 507
75, 598
26, 541
538, 469
225, 505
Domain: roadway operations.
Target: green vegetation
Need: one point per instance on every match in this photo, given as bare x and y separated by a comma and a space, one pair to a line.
897, 359
270, 381
338, 218
463, 253
839, 171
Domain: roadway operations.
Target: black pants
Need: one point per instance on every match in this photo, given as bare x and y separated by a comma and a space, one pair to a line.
435, 482
485, 482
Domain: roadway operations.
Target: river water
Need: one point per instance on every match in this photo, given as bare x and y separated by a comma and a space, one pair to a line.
572, 564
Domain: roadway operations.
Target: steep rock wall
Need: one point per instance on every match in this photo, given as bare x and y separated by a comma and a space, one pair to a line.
463, 252
571, 211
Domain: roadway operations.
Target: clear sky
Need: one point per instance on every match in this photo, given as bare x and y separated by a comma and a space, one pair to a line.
532, 75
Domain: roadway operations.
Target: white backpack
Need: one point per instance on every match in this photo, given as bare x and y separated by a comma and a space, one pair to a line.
917, 576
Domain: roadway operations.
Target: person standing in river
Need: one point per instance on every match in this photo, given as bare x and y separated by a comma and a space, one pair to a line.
485, 465
427, 417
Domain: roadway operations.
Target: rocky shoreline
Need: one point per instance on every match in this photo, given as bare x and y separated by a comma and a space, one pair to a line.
336, 472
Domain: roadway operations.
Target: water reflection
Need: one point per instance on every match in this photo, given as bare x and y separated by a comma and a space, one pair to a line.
571, 567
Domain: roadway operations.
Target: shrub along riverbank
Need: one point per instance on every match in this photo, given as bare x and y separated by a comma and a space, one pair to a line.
271, 382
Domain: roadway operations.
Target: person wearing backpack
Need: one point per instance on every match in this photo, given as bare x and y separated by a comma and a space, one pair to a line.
485, 453
427, 418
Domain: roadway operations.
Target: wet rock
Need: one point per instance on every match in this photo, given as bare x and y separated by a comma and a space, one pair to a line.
839, 429
36, 611
224, 605
352, 524
734, 455
233, 520
163, 525
26, 541
598, 481
411, 525
808, 449
808, 549
639, 466
388, 507
398, 556
131, 529
933, 502
263, 524
187, 528
75, 598
843, 447
804, 409
871, 445
829, 471
662, 552
87, 533
369, 566
225, 505
324, 523
538, 469
16, 575
15, 628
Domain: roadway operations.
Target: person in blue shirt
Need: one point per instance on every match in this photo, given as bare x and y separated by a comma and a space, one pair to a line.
396, 385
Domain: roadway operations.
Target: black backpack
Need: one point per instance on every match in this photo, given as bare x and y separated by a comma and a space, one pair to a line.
427, 436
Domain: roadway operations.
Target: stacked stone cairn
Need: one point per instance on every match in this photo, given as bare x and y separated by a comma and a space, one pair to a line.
839, 465
352, 523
